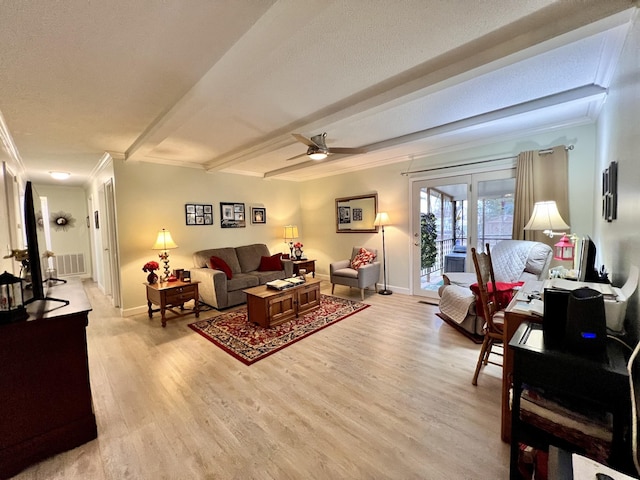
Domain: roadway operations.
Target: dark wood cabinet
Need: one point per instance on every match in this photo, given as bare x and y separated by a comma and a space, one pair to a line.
45, 395
269, 308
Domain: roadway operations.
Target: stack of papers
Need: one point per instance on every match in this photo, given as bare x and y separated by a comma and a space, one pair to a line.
283, 284
561, 284
533, 307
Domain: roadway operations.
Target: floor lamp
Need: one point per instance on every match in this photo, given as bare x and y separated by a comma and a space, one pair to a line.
382, 219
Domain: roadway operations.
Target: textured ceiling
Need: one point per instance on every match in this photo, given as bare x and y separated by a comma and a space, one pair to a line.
222, 85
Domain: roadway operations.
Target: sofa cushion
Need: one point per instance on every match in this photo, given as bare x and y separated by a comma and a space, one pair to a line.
249, 256
219, 264
241, 281
269, 264
264, 277
228, 254
364, 257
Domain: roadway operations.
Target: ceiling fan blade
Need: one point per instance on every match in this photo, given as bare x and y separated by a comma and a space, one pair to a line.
296, 157
305, 140
347, 151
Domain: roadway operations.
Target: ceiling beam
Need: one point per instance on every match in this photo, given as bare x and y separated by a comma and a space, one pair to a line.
587, 93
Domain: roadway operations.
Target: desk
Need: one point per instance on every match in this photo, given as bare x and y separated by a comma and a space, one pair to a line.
599, 383
512, 320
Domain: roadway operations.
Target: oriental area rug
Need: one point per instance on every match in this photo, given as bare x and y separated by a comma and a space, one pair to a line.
249, 342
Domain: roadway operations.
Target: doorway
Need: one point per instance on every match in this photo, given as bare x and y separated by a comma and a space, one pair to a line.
452, 214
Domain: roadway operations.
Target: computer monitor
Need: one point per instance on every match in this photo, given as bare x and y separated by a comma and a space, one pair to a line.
587, 271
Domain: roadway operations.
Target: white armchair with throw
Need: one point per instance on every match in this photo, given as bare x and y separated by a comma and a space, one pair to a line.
360, 271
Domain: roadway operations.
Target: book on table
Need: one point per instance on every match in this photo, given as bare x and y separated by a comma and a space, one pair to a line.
284, 284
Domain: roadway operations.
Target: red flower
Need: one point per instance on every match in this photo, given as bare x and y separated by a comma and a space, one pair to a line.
150, 266
298, 245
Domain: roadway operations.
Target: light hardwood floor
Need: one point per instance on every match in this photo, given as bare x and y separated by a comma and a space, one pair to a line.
383, 394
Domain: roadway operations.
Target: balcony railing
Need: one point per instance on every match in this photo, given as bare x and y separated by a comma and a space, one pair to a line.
445, 247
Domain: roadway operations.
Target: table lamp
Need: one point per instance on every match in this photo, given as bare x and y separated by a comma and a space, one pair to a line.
164, 243
546, 217
290, 233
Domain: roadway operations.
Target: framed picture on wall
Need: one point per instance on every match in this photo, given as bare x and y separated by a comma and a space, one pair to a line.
344, 215
610, 192
232, 215
258, 215
198, 214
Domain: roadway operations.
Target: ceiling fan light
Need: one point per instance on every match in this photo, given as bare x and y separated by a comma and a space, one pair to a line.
317, 155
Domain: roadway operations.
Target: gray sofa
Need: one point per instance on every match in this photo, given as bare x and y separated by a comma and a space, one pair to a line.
216, 290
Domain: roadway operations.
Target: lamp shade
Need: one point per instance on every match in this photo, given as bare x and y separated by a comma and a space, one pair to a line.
546, 217
164, 241
290, 232
382, 219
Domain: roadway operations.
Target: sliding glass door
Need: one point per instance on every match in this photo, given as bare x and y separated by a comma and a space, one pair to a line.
452, 214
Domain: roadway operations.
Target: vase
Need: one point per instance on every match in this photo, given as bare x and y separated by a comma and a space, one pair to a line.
298, 253
152, 278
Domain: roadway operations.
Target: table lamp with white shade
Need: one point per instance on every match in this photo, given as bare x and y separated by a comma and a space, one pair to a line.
164, 243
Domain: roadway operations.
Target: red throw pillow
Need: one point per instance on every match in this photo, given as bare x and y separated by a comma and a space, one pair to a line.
504, 293
219, 264
269, 264
363, 257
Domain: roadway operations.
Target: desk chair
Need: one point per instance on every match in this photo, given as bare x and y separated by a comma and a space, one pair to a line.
494, 318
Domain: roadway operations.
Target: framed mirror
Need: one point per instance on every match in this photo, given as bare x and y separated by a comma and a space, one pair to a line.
356, 214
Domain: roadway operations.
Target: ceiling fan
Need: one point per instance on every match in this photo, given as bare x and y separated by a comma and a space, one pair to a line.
318, 149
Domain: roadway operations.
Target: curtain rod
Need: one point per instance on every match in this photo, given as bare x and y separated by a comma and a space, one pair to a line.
513, 157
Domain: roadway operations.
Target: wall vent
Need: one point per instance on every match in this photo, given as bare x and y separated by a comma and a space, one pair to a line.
69, 264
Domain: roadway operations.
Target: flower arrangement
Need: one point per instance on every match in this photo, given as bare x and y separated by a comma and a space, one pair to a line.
150, 266
298, 245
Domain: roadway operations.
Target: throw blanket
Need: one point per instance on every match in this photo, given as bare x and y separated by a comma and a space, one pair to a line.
455, 302
509, 259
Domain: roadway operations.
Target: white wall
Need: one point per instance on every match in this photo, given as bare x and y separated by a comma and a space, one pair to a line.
618, 139
318, 198
75, 239
152, 197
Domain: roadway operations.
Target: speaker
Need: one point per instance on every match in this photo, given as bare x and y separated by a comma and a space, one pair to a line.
554, 323
586, 330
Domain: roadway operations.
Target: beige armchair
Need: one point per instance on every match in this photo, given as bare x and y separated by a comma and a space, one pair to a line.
341, 273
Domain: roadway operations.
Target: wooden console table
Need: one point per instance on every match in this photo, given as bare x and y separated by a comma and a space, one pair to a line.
172, 294
268, 307
45, 395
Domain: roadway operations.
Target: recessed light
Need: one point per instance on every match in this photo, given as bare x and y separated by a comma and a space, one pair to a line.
60, 175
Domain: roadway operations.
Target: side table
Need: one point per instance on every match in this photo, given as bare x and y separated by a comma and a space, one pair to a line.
308, 265
172, 294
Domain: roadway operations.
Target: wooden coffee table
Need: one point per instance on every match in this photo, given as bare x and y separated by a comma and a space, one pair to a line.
268, 307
